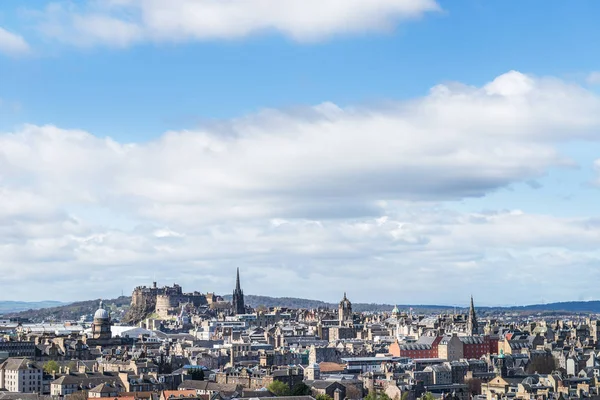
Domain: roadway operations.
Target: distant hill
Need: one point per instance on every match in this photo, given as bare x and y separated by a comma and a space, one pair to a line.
16, 306
293, 302
71, 311
49, 311
569, 306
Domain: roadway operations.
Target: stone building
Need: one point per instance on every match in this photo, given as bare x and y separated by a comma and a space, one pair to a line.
21, 375
18, 348
312, 372
451, 348
101, 325
327, 388
163, 301
259, 379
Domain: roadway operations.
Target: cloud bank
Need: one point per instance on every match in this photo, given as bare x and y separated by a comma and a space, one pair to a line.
12, 43
356, 198
126, 22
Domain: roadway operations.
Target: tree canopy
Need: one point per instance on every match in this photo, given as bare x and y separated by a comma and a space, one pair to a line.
279, 388
377, 396
323, 397
301, 389
428, 396
51, 366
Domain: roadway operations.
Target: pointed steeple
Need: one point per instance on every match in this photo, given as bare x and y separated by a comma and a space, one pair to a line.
238, 296
472, 326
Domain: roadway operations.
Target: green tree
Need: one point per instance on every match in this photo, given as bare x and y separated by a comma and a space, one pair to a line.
197, 374
405, 395
301, 389
279, 388
72, 366
323, 397
51, 366
428, 396
377, 396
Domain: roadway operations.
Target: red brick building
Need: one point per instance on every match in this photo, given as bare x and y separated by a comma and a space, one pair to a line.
427, 347
474, 347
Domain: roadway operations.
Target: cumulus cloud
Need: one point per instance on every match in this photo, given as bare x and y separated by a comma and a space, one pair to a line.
124, 22
361, 193
594, 78
12, 43
412, 255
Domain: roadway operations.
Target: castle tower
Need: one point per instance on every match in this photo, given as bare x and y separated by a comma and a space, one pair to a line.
472, 326
345, 311
238, 297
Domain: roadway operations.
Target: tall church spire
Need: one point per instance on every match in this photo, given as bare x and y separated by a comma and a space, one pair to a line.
472, 326
238, 296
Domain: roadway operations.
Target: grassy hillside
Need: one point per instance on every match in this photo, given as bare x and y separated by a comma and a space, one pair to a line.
38, 312
71, 311
16, 306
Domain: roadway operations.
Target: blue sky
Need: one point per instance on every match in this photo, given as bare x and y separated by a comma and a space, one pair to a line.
203, 107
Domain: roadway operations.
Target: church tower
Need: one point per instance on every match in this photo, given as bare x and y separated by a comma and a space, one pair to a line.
472, 326
238, 297
345, 312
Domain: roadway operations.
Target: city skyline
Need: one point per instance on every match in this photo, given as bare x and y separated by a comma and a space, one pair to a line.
407, 152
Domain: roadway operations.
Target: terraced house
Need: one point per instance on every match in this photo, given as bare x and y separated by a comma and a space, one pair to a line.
21, 375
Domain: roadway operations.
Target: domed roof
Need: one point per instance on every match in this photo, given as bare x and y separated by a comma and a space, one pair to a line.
101, 313
395, 310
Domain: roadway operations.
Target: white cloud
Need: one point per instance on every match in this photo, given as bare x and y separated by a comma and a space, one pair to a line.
12, 44
124, 22
306, 194
594, 78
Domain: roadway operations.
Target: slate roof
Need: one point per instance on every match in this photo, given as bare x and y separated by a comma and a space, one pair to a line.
14, 364
104, 388
415, 346
247, 393
167, 394
471, 339
320, 384
23, 396
210, 386
89, 380
428, 340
